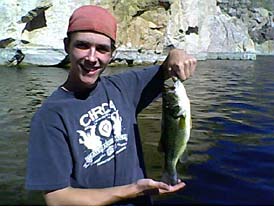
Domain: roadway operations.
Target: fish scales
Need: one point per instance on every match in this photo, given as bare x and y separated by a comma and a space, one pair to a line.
176, 126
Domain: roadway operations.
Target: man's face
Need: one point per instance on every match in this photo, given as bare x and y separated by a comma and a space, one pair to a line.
89, 55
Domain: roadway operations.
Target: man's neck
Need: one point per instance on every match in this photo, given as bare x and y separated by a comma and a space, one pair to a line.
76, 87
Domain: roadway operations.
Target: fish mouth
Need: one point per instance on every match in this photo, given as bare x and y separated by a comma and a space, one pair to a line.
170, 84
174, 78
170, 178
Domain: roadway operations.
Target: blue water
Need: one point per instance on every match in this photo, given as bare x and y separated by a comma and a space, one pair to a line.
230, 156
231, 148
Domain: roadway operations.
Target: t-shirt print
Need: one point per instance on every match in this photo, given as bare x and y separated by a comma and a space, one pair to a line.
102, 134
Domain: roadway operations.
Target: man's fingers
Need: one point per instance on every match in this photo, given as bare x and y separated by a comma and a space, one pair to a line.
183, 70
177, 186
193, 66
160, 185
172, 189
189, 67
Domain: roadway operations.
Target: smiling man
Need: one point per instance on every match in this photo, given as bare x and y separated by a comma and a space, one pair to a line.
84, 146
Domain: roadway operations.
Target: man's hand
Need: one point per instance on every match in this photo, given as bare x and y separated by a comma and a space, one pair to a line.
179, 63
149, 186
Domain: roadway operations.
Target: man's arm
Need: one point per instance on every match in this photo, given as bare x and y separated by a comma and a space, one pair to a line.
106, 196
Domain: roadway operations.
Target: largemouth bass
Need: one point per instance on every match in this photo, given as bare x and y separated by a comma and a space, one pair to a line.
176, 126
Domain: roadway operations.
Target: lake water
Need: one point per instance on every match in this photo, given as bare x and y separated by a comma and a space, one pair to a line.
230, 157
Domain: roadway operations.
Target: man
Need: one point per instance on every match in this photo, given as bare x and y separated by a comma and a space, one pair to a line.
84, 144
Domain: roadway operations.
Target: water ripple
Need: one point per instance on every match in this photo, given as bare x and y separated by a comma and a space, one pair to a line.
230, 153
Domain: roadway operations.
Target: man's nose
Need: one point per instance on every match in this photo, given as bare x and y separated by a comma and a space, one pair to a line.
92, 54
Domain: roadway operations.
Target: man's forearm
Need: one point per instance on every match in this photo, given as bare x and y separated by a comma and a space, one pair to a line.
85, 197
106, 196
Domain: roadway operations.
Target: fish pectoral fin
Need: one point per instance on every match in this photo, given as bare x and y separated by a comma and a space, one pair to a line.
184, 157
182, 123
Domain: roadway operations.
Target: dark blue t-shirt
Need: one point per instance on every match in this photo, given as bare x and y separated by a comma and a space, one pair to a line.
91, 142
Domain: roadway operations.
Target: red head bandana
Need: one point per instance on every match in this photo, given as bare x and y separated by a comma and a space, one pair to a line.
93, 18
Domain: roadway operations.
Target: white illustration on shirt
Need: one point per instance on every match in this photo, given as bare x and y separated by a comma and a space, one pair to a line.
90, 139
117, 123
102, 135
105, 128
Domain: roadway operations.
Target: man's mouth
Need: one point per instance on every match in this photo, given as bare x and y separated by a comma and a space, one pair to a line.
90, 69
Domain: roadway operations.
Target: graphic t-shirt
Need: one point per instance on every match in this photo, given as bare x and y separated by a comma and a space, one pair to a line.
92, 142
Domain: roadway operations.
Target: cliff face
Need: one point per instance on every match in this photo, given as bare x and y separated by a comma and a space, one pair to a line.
148, 27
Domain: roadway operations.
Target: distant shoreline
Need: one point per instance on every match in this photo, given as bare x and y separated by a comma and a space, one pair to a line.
52, 57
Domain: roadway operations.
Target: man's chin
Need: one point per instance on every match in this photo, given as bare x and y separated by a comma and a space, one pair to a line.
90, 81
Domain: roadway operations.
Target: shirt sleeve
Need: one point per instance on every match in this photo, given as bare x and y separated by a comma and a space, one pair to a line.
142, 86
49, 161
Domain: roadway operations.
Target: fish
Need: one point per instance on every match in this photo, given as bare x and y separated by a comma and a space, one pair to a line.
175, 128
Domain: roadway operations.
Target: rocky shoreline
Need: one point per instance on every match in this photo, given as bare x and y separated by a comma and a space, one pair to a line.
54, 57
213, 29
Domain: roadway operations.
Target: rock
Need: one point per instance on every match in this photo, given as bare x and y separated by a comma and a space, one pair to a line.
269, 33
232, 12
265, 48
202, 28
5, 42
35, 18
258, 19
230, 35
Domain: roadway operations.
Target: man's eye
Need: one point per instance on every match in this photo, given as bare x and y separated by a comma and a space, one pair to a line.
82, 45
103, 49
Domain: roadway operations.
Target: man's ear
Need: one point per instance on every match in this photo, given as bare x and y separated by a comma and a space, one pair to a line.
66, 45
113, 56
